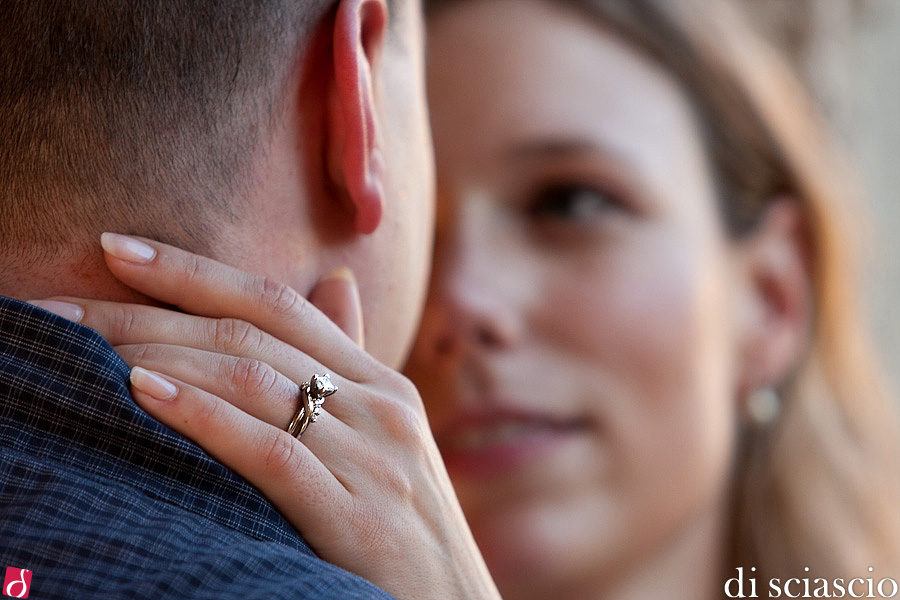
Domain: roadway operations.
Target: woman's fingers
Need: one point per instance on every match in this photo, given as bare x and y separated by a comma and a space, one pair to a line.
250, 384
205, 287
137, 324
287, 472
258, 389
122, 324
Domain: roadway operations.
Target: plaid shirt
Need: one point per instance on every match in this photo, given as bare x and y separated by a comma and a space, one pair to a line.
99, 500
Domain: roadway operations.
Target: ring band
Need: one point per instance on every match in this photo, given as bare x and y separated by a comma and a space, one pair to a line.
312, 396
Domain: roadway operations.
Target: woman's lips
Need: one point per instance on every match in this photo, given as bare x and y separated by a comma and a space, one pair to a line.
496, 443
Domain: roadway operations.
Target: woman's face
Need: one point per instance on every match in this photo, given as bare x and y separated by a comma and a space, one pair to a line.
577, 357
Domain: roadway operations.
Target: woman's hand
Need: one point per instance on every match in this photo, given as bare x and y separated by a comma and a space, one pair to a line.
366, 487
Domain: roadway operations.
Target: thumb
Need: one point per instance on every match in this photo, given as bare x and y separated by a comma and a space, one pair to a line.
337, 296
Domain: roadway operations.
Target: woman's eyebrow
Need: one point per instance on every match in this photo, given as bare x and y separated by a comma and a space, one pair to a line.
613, 165
562, 147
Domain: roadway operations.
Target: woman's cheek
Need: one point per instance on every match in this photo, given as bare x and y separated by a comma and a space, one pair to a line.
648, 320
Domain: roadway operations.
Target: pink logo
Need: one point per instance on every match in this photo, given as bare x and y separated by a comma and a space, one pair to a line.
17, 582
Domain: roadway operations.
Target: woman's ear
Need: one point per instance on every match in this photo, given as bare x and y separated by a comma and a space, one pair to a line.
356, 163
777, 307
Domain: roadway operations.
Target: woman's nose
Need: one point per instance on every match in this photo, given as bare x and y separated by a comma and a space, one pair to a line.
469, 310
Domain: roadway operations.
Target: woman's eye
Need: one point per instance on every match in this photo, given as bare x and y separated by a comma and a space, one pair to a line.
567, 202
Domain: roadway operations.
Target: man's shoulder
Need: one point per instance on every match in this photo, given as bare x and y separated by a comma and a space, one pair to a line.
82, 536
100, 501
65, 399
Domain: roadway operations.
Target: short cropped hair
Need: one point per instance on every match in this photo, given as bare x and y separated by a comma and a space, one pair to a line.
137, 115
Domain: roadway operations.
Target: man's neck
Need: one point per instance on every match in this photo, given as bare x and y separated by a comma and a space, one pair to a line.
79, 276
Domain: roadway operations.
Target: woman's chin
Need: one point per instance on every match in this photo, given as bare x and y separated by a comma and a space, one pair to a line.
534, 546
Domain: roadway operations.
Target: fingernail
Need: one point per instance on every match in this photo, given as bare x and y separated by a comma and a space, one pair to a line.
341, 273
66, 310
153, 384
349, 318
125, 247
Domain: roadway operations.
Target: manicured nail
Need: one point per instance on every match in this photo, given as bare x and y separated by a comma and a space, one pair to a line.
153, 384
341, 273
348, 317
127, 248
66, 310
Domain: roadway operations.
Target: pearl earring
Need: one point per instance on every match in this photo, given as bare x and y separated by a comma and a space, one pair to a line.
763, 406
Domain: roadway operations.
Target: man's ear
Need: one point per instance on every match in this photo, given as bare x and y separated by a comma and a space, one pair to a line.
356, 163
777, 307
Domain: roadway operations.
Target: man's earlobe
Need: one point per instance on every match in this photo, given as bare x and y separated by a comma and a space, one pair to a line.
359, 30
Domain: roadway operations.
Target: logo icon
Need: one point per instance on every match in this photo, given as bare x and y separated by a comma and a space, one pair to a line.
17, 582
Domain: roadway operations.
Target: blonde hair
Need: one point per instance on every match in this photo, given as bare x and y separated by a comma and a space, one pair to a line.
819, 488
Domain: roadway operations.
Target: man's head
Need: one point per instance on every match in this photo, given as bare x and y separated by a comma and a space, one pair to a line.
283, 136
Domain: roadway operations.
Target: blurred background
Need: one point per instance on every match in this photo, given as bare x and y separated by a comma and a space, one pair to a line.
848, 51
